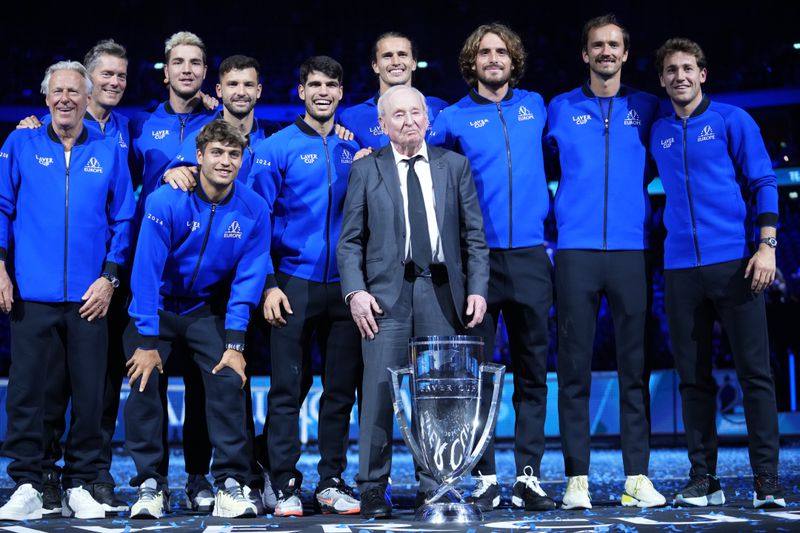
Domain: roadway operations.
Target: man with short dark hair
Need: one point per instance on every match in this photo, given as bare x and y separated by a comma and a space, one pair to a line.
69, 242
394, 61
719, 181
200, 267
599, 134
302, 173
498, 127
413, 261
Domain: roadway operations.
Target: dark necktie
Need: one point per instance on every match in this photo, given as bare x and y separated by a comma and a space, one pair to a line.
417, 218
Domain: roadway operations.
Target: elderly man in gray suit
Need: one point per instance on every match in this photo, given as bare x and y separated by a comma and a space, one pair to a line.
413, 261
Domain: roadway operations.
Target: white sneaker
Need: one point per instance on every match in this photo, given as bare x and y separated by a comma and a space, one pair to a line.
79, 503
231, 502
268, 496
577, 494
150, 502
25, 504
289, 503
640, 492
337, 498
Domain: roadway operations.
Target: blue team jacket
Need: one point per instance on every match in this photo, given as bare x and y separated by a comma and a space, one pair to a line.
156, 138
116, 127
714, 167
503, 142
362, 120
188, 152
191, 251
602, 201
303, 176
70, 223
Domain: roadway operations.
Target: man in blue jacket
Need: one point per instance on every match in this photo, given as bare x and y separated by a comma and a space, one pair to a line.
394, 61
498, 127
718, 180
599, 132
302, 172
66, 200
200, 267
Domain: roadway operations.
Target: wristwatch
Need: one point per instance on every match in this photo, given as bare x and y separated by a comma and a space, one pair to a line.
772, 242
112, 279
235, 346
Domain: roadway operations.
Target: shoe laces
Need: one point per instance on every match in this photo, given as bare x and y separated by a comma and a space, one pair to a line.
342, 487
81, 495
529, 480
147, 494
24, 491
482, 484
580, 483
642, 482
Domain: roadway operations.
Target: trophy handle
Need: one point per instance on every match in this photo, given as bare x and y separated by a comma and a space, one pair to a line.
488, 429
399, 415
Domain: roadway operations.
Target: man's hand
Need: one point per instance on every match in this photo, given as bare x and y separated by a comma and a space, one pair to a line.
6, 289
181, 177
209, 102
141, 365
364, 307
29, 123
476, 308
343, 133
234, 360
762, 267
364, 152
274, 299
96, 298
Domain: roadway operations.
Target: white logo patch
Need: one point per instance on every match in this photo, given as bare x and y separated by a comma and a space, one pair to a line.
666, 143
264, 162
376, 131
122, 142
524, 114
44, 161
3, 155
308, 159
706, 135
580, 120
160, 134
234, 231
195, 225
479, 123
632, 119
347, 157
93, 166
155, 219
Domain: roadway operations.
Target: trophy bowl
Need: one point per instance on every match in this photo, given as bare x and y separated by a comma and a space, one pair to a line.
450, 431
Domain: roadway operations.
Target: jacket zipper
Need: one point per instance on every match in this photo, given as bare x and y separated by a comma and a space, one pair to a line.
203, 248
689, 192
183, 125
606, 132
328, 212
66, 221
510, 181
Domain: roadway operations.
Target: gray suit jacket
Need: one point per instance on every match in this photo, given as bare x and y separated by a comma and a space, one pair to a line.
371, 248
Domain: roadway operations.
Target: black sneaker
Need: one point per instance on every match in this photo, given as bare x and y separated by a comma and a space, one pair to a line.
51, 493
199, 496
486, 494
700, 491
527, 493
768, 493
103, 493
374, 504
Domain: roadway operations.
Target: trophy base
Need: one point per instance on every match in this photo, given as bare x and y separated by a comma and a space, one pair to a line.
448, 513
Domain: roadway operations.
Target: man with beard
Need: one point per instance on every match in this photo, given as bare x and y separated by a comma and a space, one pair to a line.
156, 138
302, 173
394, 60
107, 64
499, 129
599, 132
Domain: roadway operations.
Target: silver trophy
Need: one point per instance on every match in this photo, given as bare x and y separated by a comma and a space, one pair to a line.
447, 406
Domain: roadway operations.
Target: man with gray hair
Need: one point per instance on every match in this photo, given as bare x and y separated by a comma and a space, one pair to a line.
413, 261
69, 242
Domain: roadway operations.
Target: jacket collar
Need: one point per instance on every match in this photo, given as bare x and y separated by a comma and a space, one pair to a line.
196, 109
201, 195
699, 110
55, 138
586, 89
478, 99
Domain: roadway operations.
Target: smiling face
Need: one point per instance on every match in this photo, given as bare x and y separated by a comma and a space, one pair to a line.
219, 164
239, 91
67, 98
110, 77
493, 62
605, 51
394, 62
682, 79
321, 94
185, 70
